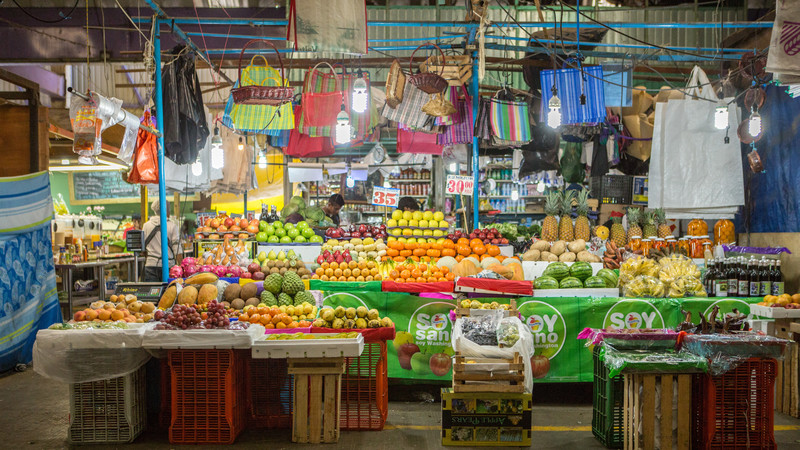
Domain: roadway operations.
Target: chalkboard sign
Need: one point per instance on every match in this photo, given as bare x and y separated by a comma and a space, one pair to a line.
87, 188
133, 241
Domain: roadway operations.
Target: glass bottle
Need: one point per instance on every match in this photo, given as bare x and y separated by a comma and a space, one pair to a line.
709, 281
721, 283
733, 278
744, 279
777, 279
646, 246
755, 277
635, 243
683, 244
766, 278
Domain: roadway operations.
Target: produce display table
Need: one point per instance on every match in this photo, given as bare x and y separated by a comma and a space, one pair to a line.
423, 327
98, 273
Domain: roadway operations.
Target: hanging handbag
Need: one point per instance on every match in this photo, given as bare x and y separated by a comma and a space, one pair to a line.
460, 132
317, 81
321, 108
410, 111
417, 142
429, 82
438, 106
256, 118
395, 85
258, 94
304, 146
509, 120
482, 128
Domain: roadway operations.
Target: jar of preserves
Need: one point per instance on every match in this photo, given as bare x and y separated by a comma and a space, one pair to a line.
659, 244
647, 245
724, 232
697, 227
636, 243
705, 239
695, 247
672, 244
683, 246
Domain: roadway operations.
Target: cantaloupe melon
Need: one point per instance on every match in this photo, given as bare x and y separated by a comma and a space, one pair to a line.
446, 261
489, 262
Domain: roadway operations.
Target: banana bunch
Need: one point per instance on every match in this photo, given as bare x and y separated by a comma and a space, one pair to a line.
634, 267
686, 286
674, 266
386, 266
644, 286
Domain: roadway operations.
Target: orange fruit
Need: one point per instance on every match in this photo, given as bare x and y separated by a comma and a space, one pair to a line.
320, 271
444, 269
325, 265
392, 252
394, 274
463, 241
346, 272
493, 250
255, 318
416, 273
405, 274
265, 320
351, 278
276, 319
329, 272
360, 279
263, 310
422, 280
274, 311
475, 242
400, 280
442, 279
423, 267
293, 324
463, 250
117, 315
244, 317
449, 276
353, 265
334, 265
357, 271
459, 258
338, 273
280, 325
448, 244
269, 326
479, 249
286, 320
362, 265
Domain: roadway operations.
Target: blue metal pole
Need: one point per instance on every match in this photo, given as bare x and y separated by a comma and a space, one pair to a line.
476, 170
162, 188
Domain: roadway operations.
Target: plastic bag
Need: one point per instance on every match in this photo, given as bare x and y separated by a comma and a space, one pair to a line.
726, 351
633, 267
86, 126
145, 164
649, 361
572, 169
481, 330
507, 332
541, 153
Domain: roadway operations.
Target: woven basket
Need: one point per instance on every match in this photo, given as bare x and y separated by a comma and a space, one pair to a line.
456, 69
431, 83
261, 95
395, 85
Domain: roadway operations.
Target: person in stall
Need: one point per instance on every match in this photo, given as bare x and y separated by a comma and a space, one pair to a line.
335, 204
407, 204
151, 232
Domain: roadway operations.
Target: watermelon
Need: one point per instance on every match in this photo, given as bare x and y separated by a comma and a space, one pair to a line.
609, 276
580, 270
557, 270
570, 283
546, 283
595, 282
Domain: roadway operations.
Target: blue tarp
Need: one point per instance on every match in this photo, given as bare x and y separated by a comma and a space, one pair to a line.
774, 198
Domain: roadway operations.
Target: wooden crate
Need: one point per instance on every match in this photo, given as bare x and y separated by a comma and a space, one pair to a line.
457, 69
640, 411
787, 381
507, 376
486, 419
465, 312
317, 391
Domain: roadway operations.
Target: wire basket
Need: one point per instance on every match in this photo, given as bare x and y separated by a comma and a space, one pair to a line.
261, 95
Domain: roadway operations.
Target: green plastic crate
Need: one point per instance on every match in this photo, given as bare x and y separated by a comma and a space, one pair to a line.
607, 402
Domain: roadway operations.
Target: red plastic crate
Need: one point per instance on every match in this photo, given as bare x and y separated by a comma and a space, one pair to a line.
208, 396
270, 390
735, 410
165, 412
365, 390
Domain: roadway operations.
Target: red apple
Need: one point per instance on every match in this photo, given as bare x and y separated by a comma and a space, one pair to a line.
440, 364
540, 365
494, 230
214, 223
244, 223
229, 222
254, 223
404, 354
504, 241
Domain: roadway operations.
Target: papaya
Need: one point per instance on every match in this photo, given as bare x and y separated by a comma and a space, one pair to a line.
202, 278
504, 271
188, 295
168, 297
519, 273
465, 269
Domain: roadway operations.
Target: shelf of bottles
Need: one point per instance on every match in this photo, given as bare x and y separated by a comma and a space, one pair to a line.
507, 196
742, 277
412, 183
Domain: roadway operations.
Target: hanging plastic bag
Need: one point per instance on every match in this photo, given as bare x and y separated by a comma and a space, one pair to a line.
145, 163
86, 127
572, 169
541, 153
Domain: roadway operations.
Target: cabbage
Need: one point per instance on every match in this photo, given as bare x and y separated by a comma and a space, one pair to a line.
314, 214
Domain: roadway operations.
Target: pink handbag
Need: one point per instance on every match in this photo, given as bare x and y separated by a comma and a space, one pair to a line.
417, 142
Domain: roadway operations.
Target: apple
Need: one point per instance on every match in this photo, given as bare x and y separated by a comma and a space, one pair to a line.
540, 365
495, 241
244, 223
229, 222
236, 228
252, 229
199, 236
404, 354
258, 275
504, 241
440, 364
247, 275
214, 223
253, 267
494, 230
355, 235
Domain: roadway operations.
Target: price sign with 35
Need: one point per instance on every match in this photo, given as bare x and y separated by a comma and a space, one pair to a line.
383, 196
459, 185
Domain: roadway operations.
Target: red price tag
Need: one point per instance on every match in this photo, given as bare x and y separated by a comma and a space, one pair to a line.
383, 196
459, 185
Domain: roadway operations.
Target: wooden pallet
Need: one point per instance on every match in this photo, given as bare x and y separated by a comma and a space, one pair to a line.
457, 69
465, 312
787, 381
509, 378
640, 412
317, 391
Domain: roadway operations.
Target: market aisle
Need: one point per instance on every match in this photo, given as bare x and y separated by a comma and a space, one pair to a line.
35, 416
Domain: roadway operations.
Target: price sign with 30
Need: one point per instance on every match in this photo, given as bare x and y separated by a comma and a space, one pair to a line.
383, 196
459, 185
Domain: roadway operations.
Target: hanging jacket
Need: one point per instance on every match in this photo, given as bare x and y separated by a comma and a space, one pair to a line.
185, 126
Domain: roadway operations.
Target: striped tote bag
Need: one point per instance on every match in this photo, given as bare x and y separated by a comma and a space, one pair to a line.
509, 120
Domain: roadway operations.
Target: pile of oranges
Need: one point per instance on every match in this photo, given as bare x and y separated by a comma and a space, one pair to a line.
271, 318
419, 251
475, 248
420, 273
352, 271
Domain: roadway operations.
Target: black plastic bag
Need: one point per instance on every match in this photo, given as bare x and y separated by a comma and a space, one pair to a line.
541, 153
572, 169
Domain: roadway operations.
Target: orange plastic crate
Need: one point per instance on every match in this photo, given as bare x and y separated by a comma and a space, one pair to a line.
365, 390
270, 390
735, 410
208, 396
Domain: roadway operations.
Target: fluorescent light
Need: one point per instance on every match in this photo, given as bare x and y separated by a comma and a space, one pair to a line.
83, 168
360, 96
64, 162
343, 128
197, 168
721, 117
754, 125
554, 115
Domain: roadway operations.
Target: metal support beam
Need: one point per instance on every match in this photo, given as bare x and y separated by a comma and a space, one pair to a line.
162, 188
476, 170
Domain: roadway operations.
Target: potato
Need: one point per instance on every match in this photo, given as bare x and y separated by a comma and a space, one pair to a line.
577, 246
542, 246
531, 255
585, 256
567, 257
558, 248
547, 256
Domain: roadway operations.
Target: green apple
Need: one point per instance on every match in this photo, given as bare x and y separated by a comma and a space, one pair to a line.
302, 224
274, 239
280, 232
262, 226
316, 239
286, 240
300, 239
307, 233
269, 229
293, 233
279, 224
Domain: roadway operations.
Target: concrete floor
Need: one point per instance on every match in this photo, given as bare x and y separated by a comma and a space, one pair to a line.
35, 415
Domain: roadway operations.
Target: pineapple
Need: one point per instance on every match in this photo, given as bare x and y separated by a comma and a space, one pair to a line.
565, 230
633, 222
582, 226
650, 230
552, 202
618, 232
663, 229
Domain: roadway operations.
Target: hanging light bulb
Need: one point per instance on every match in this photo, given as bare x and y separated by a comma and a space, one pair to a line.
554, 115
350, 182
360, 95
721, 116
262, 161
343, 128
540, 186
754, 124
515, 195
241, 144
217, 154
197, 168
453, 167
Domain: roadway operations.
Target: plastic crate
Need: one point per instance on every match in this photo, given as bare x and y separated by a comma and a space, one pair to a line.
208, 395
735, 410
365, 390
617, 189
165, 412
608, 397
108, 411
270, 389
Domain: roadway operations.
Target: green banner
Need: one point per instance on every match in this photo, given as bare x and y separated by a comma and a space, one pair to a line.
421, 350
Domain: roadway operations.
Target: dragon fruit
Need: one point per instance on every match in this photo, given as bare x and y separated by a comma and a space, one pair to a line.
220, 271
190, 270
175, 272
188, 261
207, 268
234, 271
